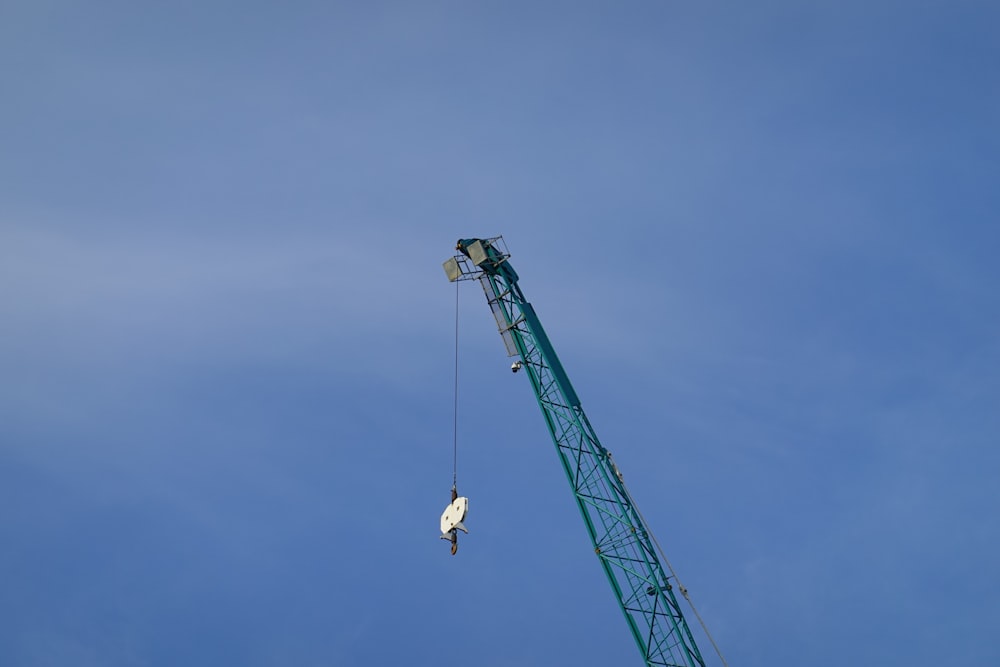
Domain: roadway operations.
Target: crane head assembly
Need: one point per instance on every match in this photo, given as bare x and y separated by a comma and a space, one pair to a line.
480, 256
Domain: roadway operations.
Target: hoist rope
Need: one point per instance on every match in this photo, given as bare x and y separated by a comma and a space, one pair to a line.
683, 589
454, 473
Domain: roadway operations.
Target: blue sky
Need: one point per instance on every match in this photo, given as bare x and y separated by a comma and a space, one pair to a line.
762, 238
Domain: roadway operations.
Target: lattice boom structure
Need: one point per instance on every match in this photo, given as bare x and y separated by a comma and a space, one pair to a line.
620, 538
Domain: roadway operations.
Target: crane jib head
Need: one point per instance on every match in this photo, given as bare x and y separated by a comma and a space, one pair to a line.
488, 258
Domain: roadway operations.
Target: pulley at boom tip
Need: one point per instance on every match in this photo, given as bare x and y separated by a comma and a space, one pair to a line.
478, 257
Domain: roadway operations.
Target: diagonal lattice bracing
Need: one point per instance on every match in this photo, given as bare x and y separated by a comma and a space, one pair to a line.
620, 538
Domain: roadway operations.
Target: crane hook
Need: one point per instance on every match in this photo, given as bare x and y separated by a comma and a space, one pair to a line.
451, 519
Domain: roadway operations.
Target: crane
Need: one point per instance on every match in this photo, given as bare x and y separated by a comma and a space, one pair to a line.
621, 540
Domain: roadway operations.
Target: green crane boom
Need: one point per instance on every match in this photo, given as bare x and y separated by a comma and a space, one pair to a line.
620, 538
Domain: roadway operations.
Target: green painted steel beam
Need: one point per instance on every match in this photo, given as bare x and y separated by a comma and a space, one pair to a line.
620, 539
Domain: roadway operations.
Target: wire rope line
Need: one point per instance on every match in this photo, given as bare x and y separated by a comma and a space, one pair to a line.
682, 587
454, 473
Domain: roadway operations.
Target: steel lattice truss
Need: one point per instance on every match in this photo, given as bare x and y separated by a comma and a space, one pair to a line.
620, 538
